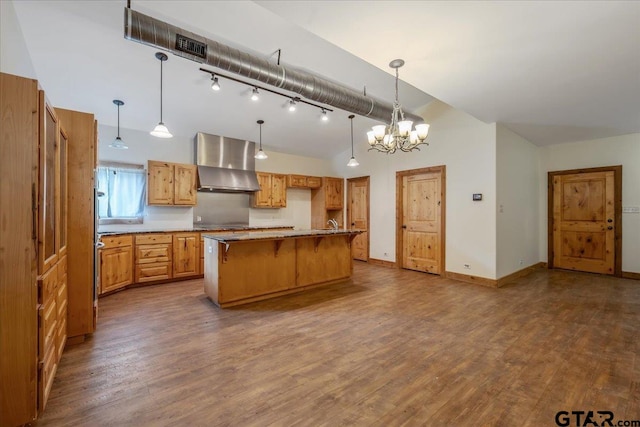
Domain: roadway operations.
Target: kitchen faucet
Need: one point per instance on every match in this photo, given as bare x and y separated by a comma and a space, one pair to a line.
334, 223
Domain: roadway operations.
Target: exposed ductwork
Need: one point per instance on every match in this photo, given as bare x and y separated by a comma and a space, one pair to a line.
153, 32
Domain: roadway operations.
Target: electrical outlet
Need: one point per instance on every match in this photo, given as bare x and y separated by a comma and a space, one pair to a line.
467, 267
631, 209
198, 218
521, 262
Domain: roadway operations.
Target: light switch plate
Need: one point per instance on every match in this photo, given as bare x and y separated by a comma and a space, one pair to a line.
631, 209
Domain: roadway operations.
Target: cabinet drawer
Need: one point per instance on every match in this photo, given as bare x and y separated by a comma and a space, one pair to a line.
116, 241
47, 373
297, 181
153, 272
148, 239
61, 337
47, 285
61, 298
62, 267
47, 328
146, 254
314, 181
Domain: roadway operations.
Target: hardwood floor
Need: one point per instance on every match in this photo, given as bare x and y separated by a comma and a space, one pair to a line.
390, 348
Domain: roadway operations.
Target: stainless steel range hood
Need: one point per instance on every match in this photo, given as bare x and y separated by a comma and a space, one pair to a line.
225, 164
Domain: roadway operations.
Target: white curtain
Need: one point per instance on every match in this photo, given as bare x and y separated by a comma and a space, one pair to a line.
124, 191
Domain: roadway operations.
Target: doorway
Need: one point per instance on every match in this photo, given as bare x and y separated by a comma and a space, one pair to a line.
585, 220
420, 219
358, 215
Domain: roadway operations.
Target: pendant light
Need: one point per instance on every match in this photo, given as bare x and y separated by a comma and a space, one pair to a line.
161, 131
118, 143
352, 162
261, 155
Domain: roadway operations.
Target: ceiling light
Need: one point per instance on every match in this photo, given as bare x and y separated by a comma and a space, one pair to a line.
214, 83
161, 131
261, 155
398, 135
255, 95
324, 115
352, 162
118, 143
292, 105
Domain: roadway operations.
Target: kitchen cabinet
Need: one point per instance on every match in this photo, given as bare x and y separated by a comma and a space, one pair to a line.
153, 257
171, 184
186, 254
327, 202
273, 191
303, 181
116, 263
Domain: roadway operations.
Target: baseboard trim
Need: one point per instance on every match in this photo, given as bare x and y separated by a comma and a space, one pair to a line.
520, 273
493, 283
631, 275
467, 278
382, 263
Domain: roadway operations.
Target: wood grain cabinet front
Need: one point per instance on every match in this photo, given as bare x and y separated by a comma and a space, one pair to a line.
171, 184
153, 257
116, 263
186, 254
273, 191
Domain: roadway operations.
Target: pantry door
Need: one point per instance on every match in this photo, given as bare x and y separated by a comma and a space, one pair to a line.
358, 215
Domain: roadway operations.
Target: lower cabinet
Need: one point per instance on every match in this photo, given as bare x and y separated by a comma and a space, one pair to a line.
186, 254
153, 257
116, 263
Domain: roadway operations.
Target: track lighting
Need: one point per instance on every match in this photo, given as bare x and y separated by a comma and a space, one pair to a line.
161, 131
324, 115
292, 106
352, 162
255, 95
214, 83
118, 143
260, 155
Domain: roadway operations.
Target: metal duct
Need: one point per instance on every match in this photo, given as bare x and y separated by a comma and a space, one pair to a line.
153, 32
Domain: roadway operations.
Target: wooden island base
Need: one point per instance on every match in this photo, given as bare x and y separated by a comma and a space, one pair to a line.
249, 267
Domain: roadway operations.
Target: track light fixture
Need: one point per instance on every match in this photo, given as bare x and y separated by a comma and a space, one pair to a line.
214, 83
118, 143
352, 162
260, 155
256, 90
161, 131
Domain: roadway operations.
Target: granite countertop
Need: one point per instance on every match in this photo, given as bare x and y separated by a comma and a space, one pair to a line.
212, 228
274, 235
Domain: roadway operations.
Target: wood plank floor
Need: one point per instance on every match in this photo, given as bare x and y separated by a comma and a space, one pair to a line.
390, 348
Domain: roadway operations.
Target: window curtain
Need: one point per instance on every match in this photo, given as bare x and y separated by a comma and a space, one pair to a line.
124, 192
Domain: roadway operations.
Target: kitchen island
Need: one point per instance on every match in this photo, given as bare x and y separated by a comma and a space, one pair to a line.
256, 265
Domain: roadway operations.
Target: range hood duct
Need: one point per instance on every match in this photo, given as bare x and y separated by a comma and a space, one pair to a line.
153, 32
225, 164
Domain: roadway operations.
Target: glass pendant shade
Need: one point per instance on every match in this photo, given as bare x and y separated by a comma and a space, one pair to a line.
260, 155
161, 131
118, 143
353, 162
422, 130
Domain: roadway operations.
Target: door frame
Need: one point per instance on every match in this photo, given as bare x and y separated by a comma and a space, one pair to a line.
617, 205
367, 179
442, 169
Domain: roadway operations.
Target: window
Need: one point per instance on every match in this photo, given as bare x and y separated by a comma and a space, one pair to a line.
123, 187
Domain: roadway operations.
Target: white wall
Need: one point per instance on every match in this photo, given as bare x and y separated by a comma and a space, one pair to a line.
14, 57
517, 203
619, 150
180, 149
298, 210
467, 147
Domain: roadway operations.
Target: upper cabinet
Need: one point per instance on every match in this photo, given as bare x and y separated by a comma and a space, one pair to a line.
327, 202
333, 193
303, 181
171, 184
273, 191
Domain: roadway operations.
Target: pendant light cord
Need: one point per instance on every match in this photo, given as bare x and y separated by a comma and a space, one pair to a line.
351, 118
118, 120
161, 61
260, 136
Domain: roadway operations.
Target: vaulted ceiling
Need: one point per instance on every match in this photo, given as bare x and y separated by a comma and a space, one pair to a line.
551, 71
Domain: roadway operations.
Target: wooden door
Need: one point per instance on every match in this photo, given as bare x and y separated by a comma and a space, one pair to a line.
186, 257
584, 222
278, 191
64, 144
358, 216
48, 207
160, 189
185, 191
421, 222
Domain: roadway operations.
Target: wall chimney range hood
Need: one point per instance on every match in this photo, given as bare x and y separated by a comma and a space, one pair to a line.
225, 164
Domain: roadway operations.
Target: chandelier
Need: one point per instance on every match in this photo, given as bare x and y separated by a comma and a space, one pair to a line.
398, 135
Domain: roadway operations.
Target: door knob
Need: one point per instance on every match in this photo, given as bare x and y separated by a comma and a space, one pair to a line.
404, 226
610, 228
609, 220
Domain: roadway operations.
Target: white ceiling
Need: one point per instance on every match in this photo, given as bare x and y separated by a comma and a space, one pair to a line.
551, 71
